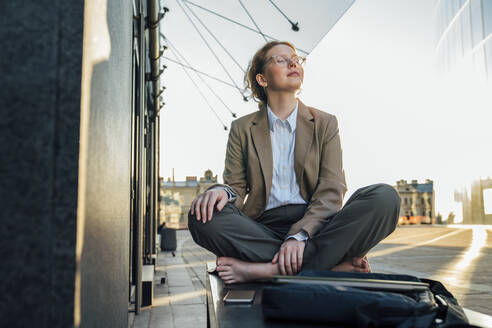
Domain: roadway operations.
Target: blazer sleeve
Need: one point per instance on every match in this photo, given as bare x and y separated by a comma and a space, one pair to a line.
330, 190
235, 167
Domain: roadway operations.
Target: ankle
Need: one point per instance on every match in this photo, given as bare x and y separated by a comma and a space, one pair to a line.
274, 269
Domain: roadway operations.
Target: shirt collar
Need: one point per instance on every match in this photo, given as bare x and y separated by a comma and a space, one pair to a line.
291, 119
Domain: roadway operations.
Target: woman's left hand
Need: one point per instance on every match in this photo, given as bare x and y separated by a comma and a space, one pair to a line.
289, 257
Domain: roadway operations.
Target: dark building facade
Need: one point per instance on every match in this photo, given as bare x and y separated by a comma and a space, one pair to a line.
79, 94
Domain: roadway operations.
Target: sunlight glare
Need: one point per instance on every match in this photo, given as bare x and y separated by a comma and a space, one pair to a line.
487, 201
166, 300
479, 240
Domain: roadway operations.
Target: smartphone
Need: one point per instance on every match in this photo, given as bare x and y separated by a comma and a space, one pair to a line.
239, 296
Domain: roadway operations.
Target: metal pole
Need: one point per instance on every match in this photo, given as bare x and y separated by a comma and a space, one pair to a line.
153, 18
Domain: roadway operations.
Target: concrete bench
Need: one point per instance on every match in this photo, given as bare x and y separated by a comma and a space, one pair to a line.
250, 315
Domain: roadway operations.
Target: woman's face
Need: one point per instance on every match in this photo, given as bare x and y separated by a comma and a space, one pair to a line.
277, 77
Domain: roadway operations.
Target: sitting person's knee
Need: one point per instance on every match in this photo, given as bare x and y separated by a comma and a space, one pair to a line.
390, 200
194, 225
387, 194
198, 226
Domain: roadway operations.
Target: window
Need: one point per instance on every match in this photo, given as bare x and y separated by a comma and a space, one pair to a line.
479, 59
466, 32
487, 201
487, 17
477, 21
488, 55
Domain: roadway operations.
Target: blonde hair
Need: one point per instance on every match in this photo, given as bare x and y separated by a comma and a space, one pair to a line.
256, 66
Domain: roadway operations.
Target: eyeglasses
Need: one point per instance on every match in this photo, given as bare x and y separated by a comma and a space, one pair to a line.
284, 61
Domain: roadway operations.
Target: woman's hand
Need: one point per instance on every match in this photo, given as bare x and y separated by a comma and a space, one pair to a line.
289, 257
203, 204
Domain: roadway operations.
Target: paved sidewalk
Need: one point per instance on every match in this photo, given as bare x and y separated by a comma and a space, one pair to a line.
181, 301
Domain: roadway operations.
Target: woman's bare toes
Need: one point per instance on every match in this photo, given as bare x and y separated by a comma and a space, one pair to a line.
223, 268
361, 264
222, 261
229, 280
232, 270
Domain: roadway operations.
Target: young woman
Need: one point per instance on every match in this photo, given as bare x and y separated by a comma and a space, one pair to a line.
279, 209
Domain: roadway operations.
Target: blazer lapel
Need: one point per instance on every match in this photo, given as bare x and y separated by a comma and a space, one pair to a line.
260, 133
304, 139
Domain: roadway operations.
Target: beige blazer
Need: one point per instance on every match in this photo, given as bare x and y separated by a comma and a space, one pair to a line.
317, 164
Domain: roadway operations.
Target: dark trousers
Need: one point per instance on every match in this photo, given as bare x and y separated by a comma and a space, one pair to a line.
370, 214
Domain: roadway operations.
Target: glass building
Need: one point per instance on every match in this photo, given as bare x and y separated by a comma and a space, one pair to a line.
465, 35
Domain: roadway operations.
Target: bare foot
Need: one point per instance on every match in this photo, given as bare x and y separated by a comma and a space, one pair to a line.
357, 264
232, 270
363, 263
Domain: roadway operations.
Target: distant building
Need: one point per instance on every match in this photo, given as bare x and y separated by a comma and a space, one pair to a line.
473, 202
176, 197
417, 201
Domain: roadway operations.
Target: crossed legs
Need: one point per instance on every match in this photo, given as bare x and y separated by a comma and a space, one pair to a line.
245, 248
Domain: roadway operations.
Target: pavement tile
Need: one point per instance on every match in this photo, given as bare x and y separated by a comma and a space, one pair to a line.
142, 319
190, 316
180, 282
186, 295
160, 289
178, 277
161, 317
479, 302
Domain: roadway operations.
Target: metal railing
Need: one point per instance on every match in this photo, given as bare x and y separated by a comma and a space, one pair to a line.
146, 93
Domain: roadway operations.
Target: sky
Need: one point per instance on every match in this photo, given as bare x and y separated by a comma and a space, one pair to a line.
376, 71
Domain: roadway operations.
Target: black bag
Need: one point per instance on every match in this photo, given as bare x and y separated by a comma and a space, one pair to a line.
168, 239
354, 307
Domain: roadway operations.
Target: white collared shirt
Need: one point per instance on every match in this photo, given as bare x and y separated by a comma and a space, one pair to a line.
285, 189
